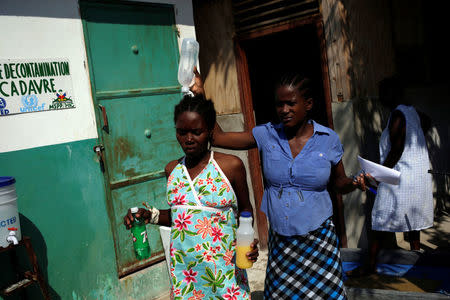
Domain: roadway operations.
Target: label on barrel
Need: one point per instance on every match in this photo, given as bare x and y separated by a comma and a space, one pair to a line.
7, 222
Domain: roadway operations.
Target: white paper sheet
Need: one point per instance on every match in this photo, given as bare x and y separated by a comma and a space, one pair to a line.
379, 172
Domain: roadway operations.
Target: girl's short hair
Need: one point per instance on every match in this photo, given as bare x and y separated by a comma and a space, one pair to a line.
198, 104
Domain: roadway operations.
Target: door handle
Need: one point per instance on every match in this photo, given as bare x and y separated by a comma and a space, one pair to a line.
99, 151
105, 118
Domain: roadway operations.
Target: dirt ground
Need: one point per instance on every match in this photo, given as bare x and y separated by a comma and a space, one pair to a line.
376, 281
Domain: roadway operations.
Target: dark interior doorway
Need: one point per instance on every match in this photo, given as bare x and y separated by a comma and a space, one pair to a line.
270, 56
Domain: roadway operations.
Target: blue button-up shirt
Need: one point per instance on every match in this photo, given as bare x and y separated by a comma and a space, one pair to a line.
296, 200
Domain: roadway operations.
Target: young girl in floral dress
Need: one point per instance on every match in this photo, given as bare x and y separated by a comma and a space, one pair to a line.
206, 191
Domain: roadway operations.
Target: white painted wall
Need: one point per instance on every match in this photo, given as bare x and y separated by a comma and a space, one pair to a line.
35, 29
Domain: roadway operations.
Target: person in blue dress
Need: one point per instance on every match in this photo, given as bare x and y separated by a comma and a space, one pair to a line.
299, 159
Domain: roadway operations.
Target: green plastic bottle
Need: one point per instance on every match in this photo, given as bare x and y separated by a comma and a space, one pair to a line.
140, 240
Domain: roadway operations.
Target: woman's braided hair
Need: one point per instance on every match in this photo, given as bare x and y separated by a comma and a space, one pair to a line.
296, 80
198, 104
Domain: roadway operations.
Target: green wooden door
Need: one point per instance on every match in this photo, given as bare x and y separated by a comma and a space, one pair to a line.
133, 59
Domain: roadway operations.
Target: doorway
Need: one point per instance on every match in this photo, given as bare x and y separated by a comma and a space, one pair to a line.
269, 57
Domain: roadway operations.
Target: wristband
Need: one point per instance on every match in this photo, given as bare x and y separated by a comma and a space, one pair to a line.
154, 215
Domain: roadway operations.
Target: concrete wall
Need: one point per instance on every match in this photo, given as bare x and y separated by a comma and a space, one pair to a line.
61, 201
60, 187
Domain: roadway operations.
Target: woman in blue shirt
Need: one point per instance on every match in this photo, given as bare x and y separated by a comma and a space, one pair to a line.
299, 158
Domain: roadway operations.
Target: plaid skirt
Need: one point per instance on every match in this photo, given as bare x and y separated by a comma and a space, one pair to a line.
304, 267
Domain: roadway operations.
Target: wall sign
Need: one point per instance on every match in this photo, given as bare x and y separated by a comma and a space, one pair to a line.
34, 85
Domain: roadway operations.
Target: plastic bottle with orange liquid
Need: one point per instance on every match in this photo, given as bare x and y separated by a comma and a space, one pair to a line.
245, 236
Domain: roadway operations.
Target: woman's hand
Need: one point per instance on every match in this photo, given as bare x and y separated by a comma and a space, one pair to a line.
370, 181
129, 219
197, 87
364, 181
253, 255
359, 181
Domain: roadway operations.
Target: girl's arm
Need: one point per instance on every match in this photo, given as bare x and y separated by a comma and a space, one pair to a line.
165, 216
239, 183
234, 169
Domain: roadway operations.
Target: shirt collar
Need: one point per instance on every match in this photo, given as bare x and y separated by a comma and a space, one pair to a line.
319, 129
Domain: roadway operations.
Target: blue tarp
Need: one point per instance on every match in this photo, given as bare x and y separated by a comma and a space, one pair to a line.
425, 272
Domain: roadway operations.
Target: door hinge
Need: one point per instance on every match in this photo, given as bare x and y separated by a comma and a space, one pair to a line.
98, 149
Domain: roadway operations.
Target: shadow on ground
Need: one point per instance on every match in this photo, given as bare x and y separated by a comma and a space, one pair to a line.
257, 295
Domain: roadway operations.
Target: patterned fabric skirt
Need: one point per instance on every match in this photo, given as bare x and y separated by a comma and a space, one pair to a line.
305, 267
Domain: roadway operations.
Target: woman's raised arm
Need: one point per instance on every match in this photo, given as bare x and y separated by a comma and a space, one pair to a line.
228, 140
233, 140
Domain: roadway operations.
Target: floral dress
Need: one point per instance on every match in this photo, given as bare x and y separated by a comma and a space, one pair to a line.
203, 229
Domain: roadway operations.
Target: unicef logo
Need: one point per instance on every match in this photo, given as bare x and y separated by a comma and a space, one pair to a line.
2, 103
29, 100
30, 104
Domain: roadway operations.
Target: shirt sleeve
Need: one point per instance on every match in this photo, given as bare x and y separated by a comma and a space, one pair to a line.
260, 134
336, 149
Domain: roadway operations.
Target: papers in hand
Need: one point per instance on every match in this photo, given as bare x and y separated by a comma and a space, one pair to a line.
379, 172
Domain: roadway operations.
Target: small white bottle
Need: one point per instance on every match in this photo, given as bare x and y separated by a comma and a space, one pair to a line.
245, 236
188, 59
